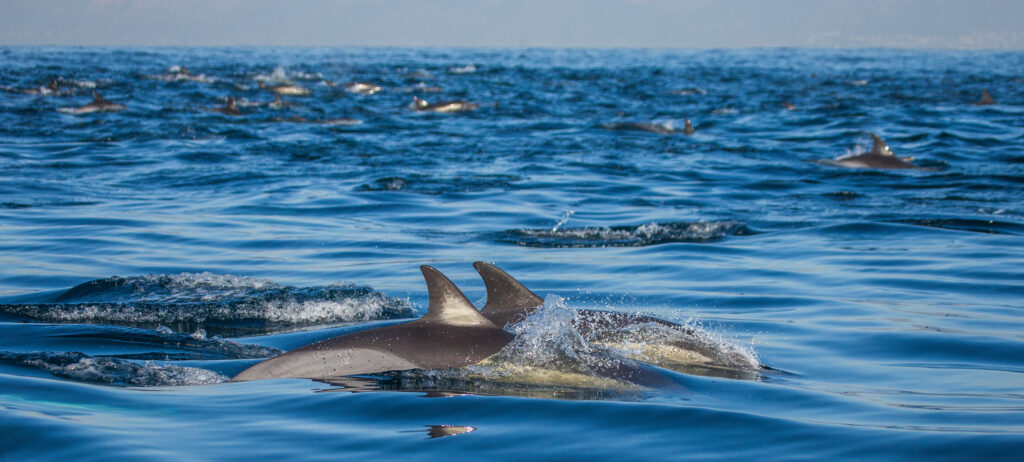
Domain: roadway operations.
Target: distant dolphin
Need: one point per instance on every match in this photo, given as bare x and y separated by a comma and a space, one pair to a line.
98, 104
452, 334
51, 88
986, 99
443, 106
229, 108
880, 156
661, 129
285, 89
677, 347
362, 88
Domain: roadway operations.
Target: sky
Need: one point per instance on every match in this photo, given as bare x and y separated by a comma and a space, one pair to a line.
930, 24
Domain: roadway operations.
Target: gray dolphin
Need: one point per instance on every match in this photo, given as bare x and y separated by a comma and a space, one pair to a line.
443, 106
664, 344
98, 104
880, 156
452, 334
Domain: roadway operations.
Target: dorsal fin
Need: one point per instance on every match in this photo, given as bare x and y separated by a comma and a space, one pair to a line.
184, 71
96, 98
230, 104
508, 300
277, 98
688, 128
448, 305
880, 147
986, 98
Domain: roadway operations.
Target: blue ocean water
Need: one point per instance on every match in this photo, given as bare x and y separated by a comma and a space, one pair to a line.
150, 254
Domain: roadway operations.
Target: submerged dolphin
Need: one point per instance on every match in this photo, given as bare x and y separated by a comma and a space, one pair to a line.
452, 334
443, 106
98, 104
662, 129
880, 156
664, 344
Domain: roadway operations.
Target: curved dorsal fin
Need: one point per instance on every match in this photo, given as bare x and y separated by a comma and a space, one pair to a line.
277, 98
508, 300
230, 104
880, 147
448, 305
184, 71
96, 98
986, 98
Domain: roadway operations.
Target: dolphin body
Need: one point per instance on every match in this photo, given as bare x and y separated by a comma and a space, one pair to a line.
660, 129
362, 88
51, 88
452, 334
665, 344
229, 108
880, 156
98, 104
285, 89
443, 106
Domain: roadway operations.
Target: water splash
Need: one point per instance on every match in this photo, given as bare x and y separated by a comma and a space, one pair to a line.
189, 301
623, 236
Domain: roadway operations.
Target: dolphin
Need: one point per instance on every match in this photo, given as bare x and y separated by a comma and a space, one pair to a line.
663, 343
688, 128
443, 106
662, 129
880, 156
362, 88
284, 89
51, 88
229, 108
452, 334
98, 104
986, 99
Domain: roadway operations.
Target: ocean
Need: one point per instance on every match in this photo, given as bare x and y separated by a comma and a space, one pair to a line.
150, 254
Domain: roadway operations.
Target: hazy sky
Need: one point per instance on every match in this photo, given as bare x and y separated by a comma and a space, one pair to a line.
961, 24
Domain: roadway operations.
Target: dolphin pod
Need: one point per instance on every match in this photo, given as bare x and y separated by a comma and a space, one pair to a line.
453, 334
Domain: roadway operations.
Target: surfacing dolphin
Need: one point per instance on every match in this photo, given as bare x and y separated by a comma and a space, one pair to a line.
443, 106
229, 108
880, 156
452, 334
663, 343
285, 89
659, 128
98, 104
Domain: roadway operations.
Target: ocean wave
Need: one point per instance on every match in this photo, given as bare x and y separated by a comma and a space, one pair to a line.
624, 236
188, 301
